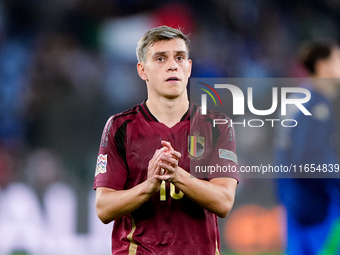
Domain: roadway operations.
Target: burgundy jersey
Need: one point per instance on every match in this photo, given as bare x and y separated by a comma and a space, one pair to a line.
169, 222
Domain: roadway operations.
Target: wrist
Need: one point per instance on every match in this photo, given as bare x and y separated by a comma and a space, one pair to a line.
145, 189
180, 177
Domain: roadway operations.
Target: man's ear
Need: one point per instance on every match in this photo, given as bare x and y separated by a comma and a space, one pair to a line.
190, 66
141, 71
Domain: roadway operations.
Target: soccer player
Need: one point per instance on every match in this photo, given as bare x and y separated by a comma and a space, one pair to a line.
142, 177
313, 205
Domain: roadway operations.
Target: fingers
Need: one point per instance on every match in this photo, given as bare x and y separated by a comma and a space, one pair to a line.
167, 145
164, 163
169, 159
171, 150
164, 177
157, 155
170, 164
176, 154
154, 167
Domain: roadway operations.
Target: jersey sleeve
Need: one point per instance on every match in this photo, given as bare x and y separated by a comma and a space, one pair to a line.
111, 167
223, 155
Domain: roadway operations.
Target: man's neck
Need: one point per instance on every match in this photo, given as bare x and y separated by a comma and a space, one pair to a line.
168, 111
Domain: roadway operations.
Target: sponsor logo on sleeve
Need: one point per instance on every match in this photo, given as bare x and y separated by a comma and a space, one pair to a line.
101, 164
229, 155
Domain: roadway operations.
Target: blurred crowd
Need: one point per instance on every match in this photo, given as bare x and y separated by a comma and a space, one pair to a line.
67, 65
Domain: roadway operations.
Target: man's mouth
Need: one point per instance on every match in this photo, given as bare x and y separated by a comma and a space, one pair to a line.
172, 79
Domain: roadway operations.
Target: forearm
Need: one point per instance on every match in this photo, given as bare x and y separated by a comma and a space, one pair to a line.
216, 195
114, 204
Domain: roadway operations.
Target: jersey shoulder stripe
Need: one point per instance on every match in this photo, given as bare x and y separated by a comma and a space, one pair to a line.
115, 121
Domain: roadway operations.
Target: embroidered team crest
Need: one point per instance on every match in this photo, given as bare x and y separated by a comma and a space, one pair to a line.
101, 164
196, 146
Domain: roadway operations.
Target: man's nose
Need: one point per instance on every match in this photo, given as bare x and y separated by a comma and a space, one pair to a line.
172, 65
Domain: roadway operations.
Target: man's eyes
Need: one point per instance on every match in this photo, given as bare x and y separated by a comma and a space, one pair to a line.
161, 59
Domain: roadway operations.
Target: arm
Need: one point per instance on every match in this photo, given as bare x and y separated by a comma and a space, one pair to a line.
216, 195
113, 204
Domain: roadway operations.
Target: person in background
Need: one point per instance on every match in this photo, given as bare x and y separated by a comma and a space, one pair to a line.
313, 204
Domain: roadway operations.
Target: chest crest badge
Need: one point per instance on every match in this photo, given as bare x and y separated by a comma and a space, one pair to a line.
196, 145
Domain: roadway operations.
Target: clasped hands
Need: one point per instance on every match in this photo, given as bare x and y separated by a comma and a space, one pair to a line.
163, 166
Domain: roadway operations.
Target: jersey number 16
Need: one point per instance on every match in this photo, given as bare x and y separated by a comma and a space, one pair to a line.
173, 193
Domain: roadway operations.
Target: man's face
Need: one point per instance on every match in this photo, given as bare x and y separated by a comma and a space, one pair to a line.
333, 63
166, 69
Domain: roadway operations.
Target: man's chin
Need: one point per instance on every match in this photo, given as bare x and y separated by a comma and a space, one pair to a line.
171, 96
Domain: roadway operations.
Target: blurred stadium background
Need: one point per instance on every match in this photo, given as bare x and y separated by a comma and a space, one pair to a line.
67, 65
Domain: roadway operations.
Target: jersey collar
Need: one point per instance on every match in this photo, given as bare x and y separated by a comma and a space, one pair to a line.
148, 115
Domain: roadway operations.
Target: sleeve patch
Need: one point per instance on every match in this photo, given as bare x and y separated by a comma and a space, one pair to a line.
101, 164
226, 154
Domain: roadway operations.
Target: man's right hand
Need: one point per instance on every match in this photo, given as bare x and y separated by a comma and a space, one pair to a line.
153, 184
113, 204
